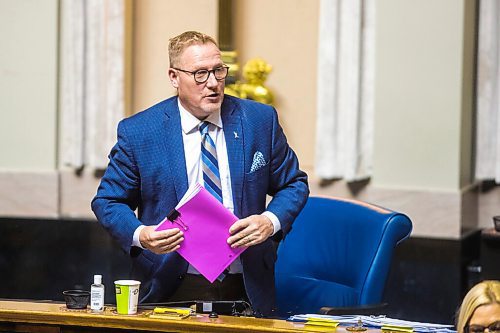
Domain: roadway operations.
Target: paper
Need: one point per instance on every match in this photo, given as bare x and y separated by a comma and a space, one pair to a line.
379, 322
205, 223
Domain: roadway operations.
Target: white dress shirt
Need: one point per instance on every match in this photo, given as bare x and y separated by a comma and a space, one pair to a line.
191, 137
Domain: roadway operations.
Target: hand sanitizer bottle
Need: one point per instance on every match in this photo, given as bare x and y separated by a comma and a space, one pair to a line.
97, 295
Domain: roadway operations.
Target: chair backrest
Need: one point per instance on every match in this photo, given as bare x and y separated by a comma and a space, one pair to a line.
338, 253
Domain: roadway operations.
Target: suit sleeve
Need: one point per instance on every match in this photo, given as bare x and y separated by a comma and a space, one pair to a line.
119, 192
288, 184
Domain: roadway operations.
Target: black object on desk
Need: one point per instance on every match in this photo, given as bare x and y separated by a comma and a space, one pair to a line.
76, 299
496, 222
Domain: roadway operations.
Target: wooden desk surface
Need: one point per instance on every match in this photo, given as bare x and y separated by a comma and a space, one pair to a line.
21, 315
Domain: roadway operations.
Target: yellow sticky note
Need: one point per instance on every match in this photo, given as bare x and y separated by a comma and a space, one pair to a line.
322, 322
181, 311
394, 328
170, 313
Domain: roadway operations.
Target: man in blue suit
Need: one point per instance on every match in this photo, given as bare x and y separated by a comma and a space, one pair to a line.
160, 154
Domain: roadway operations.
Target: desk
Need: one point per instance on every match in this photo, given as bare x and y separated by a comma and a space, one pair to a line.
51, 317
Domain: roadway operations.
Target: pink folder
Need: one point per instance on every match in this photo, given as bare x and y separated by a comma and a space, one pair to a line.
205, 223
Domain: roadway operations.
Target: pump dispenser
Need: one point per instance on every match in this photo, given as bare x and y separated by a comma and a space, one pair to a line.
97, 295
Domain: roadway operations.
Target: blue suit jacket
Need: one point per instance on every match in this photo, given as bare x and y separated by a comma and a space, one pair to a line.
147, 172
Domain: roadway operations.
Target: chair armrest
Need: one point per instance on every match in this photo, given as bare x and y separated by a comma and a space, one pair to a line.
368, 309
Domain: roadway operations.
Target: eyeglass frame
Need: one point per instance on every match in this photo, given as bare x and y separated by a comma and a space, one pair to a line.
490, 327
193, 73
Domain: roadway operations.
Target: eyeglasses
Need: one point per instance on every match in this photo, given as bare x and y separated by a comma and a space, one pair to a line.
202, 75
492, 328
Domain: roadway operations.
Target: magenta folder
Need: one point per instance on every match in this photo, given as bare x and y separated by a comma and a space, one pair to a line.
205, 223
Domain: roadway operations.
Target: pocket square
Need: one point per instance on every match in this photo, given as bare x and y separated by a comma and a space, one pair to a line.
258, 161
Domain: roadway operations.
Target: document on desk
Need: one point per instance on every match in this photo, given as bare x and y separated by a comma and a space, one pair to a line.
205, 223
380, 322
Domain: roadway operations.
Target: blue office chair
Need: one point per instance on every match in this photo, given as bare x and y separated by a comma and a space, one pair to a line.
338, 254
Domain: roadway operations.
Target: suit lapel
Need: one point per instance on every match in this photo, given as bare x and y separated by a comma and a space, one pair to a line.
174, 147
233, 133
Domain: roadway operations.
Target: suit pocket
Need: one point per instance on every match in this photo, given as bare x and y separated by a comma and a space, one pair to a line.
256, 187
257, 175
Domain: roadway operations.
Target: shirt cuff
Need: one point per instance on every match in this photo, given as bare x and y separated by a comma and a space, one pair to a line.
135, 239
274, 220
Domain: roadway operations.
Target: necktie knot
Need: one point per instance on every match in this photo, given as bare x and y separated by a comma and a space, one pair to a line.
204, 127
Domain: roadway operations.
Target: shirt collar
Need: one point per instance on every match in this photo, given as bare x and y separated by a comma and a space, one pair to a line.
190, 123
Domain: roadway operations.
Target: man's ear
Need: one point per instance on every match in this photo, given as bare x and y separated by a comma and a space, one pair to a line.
173, 76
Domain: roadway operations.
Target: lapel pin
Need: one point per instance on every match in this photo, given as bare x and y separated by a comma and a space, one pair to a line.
236, 135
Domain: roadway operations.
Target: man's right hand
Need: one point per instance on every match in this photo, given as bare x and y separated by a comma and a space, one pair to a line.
160, 242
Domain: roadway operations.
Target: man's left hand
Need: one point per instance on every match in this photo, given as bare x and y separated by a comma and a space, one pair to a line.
249, 231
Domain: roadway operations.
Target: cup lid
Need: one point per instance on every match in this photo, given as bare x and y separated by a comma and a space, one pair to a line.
127, 282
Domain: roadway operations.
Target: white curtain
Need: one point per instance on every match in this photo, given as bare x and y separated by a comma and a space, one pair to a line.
344, 140
91, 80
488, 92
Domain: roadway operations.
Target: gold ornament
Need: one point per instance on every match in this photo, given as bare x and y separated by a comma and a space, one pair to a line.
255, 73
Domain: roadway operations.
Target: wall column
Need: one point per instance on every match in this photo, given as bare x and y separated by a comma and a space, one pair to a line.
425, 68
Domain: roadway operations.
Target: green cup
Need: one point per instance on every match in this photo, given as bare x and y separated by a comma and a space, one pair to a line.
127, 296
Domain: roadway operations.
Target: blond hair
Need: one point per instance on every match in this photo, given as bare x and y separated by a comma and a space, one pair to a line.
179, 43
483, 293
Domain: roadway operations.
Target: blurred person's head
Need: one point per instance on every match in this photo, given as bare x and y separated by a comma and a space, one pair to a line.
197, 72
480, 309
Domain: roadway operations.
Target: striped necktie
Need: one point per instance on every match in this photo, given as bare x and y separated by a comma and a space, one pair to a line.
210, 166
